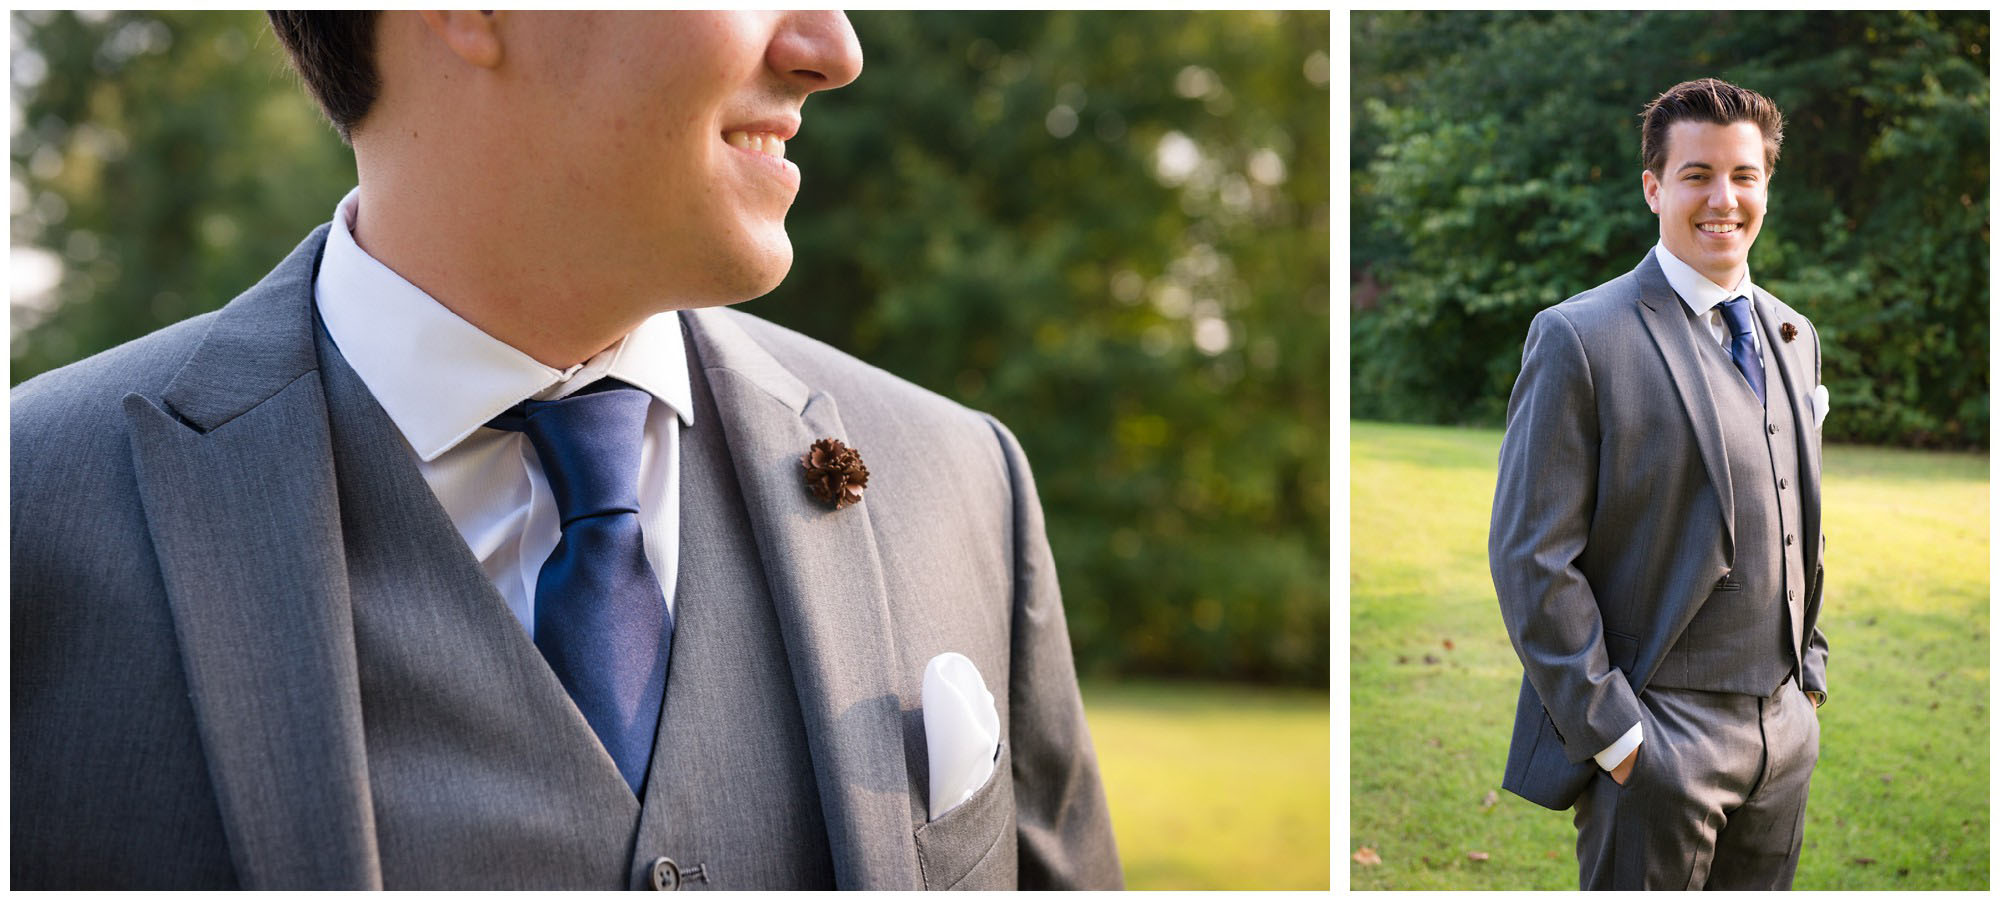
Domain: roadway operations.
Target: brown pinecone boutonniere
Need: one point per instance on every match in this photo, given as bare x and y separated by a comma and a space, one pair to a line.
1788, 331
835, 473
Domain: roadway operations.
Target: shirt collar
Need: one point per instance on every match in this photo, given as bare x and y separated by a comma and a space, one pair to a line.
1700, 294
438, 376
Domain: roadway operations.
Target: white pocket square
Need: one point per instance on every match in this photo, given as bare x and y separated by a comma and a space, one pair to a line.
1819, 402
961, 730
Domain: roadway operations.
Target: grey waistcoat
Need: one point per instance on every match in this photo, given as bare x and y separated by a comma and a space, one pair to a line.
481, 771
1745, 638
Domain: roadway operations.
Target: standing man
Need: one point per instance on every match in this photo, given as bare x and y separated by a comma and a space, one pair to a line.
479, 546
1656, 534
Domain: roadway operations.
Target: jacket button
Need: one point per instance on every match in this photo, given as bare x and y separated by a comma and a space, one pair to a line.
1790, 595
1788, 539
1773, 428
666, 875
1781, 484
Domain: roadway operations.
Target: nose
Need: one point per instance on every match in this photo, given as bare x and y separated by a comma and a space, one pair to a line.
815, 51
1723, 197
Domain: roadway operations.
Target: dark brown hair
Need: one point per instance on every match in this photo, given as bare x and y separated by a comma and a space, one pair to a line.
1707, 100
334, 53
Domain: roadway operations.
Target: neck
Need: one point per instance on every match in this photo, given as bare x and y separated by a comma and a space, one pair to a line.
1727, 282
519, 272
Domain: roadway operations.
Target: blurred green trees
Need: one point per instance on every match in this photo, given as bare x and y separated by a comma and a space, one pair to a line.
1496, 171
1108, 229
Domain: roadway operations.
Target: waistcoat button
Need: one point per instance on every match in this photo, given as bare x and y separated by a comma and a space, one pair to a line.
1773, 428
1781, 484
666, 875
1788, 539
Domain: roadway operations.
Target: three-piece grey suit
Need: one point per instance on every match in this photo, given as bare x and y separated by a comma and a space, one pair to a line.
1656, 549
250, 648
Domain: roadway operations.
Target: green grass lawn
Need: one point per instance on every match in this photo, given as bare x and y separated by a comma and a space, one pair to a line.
1213, 786
1899, 800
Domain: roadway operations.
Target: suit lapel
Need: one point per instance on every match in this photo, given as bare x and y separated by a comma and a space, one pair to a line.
1665, 316
825, 580
1798, 386
236, 477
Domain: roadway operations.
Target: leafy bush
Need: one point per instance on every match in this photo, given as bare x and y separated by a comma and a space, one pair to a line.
1496, 171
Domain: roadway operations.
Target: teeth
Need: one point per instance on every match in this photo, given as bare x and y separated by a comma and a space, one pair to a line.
1717, 229
759, 142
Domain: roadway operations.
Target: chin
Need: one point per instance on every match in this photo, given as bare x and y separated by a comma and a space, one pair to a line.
751, 274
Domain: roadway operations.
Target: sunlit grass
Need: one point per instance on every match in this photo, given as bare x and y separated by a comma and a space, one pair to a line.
1214, 787
1899, 800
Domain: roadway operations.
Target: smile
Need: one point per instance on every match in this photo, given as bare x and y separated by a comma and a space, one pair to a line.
1718, 228
762, 142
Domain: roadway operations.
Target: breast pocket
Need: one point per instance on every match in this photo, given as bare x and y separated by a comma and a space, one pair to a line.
972, 845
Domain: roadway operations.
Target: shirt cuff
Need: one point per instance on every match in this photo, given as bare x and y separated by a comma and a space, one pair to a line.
1611, 757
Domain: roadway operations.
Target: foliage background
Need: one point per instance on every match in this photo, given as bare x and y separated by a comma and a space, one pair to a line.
1108, 229
1489, 183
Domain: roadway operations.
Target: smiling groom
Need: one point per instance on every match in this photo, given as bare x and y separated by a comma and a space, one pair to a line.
1656, 543
480, 546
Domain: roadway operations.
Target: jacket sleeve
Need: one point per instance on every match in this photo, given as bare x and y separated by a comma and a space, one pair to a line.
1541, 522
1063, 822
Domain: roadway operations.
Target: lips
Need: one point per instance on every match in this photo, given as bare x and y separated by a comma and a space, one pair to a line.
1719, 228
761, 144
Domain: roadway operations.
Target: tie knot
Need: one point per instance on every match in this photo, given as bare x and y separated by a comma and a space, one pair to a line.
1736, 312
589, 446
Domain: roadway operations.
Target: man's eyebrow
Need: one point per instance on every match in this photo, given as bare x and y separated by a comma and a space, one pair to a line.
1698, 164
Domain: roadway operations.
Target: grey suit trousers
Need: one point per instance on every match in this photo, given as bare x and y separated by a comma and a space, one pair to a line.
1716, 800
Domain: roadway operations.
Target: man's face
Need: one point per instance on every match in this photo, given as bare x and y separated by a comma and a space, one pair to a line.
664, 134
1710, 196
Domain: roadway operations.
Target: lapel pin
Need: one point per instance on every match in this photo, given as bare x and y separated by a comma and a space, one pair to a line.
835, 473
1788, 331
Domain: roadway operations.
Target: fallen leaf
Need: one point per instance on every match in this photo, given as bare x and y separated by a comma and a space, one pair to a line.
1553, 855
1492, 798
1864, 861
1477, 856
1402, 658
1432, 659
1447, 644
1934, 705
1367, 857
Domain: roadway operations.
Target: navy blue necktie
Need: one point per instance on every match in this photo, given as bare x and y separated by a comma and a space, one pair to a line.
1743, 348
600, 617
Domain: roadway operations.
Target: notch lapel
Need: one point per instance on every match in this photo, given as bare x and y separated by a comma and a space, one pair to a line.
1665, 316
825, 579
236, 478
1797, 388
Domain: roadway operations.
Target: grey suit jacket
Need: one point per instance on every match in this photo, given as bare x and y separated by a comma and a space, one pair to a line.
1613, 512
186, 704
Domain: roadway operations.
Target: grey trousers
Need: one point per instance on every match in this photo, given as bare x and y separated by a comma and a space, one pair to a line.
1716, 800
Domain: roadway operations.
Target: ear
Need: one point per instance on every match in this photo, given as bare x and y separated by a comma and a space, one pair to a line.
471, 36
1650, 183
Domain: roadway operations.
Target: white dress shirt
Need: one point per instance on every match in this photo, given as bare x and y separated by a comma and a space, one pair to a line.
441, 380
1704, 297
